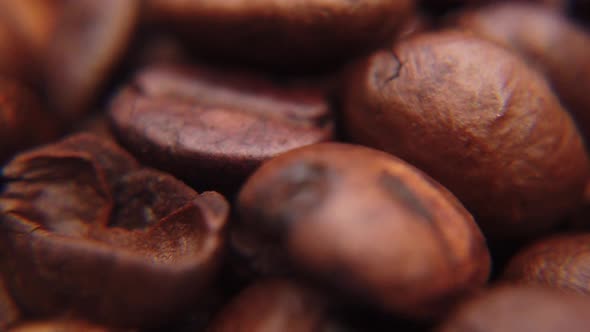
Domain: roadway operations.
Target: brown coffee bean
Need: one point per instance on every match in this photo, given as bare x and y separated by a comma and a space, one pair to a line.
23, 121
63, 326
517, 309
478, 120
85, 230
274, 305
89, 40
213, 128
562, 262
286, 34
34, 21
9, 312
363, 222
548, 40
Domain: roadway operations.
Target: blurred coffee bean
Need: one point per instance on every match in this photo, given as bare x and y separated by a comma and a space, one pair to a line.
517, 309
548, 40
291, 36
89, 40
274, 305
213, 128
477, 119
34, 21
561, 261
362, 222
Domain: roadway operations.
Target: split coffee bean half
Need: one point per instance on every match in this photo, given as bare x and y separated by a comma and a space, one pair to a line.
85, 230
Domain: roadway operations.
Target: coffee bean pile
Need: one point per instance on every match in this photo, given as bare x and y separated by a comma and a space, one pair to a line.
299, 166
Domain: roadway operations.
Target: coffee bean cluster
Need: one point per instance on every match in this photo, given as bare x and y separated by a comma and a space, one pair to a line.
299, 166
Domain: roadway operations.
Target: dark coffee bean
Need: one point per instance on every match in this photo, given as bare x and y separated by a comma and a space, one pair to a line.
294, 36
85, 230
213, 128
478, 120
274, 305
364, 222
23, 121
546, 39
517, 309
89, 39
562, 262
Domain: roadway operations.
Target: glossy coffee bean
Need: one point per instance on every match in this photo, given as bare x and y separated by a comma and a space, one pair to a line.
478, 120
363, 222
213, 128
34, 21
561, 261
548, 40
85, 230
517, 309
289, 35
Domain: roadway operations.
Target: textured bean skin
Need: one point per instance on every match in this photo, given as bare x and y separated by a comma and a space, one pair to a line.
478, 120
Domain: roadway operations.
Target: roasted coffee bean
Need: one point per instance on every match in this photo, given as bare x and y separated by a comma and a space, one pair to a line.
274, 305
548, 40
478, 120
363, 222
243, 97
34, 21
562, 262
294, 36
89, 40
84, 229
23, 120
517, 309
213, 128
